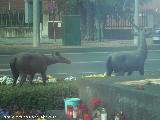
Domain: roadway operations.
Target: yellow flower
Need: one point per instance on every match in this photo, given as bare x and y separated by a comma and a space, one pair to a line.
94, 75
41, 118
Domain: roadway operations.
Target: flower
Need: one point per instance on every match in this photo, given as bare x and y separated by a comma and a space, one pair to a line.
94, 101
52, 6
94, 76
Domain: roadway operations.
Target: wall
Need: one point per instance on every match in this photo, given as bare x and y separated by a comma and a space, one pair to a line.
23, 31
45, 25
15, 32
137, 104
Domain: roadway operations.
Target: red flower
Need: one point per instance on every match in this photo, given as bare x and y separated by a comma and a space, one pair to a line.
95, 101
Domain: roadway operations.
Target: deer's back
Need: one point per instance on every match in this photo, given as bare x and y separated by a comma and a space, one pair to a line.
30, 62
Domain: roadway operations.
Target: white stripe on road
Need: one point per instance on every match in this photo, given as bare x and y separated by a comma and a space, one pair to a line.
78, 72
85, 53
153, 59
4, 70
86, 62
104, 52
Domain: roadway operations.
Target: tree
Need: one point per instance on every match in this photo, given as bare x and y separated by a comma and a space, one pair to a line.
93, 13
120, 7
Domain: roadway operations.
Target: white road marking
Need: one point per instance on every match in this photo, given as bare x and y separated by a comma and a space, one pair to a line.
75, 62
103, 52
86, 52
4, 70
153, 59
86, 62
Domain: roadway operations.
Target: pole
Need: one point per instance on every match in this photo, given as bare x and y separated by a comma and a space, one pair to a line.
26, 11
136, 12
36, 23
9, 5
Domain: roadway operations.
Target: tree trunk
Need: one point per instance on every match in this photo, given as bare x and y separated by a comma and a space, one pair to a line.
90, 22
98, 22
83, 21
87, 21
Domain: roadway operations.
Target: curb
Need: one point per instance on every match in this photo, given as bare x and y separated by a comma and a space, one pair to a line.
72, 50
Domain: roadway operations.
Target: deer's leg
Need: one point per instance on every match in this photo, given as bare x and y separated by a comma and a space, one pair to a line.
23, 78
109, 71
141, 70
15, 77
129, 73
31, 78
121, 73
15, 74
44, 77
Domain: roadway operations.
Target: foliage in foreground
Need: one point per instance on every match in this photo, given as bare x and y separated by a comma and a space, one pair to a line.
50, 96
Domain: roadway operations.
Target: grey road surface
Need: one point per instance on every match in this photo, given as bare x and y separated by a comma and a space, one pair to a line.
87, 62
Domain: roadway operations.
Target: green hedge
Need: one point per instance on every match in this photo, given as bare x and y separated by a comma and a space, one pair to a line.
50, 96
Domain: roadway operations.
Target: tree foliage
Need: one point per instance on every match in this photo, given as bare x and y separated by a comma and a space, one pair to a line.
71, 6
93, 13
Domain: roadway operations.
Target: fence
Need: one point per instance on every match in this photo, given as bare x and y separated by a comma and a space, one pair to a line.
12, 18
114, 20
12, 24
120, 27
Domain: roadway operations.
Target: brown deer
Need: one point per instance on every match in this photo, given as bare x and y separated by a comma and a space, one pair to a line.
128, 61
23, 64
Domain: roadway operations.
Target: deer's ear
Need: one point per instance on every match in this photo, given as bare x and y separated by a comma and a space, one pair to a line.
57, 53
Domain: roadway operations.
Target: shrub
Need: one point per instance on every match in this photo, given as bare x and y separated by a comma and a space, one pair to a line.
50, 96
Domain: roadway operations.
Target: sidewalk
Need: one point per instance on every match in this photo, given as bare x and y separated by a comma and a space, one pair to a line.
21, 42
12, 45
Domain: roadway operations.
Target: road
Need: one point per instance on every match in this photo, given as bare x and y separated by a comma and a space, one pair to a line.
87, 62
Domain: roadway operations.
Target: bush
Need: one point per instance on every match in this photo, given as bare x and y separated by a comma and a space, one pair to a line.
50, 96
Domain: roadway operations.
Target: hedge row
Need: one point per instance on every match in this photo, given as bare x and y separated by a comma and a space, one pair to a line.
50, 96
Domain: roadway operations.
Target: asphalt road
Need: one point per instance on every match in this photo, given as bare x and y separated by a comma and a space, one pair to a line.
87, 62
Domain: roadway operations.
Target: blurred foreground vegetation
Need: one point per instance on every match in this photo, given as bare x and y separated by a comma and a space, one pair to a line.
38, 96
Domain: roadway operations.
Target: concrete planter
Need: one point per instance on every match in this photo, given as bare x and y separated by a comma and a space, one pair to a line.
136, 103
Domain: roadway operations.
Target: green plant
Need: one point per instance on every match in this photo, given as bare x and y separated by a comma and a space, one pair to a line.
50, 96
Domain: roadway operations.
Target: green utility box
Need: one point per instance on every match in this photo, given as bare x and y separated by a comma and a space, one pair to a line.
72, 34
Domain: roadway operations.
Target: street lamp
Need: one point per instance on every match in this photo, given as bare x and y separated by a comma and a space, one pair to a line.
136, 14
36, 23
